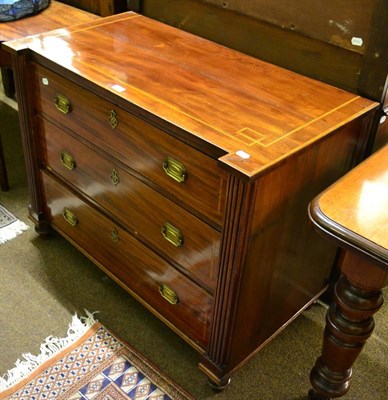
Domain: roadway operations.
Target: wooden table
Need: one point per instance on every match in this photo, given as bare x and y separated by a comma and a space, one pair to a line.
354, 214
56, 16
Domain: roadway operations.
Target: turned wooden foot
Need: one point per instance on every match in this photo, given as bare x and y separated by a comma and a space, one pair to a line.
328, 384
349, 323
44, 230
219, 387
42, 225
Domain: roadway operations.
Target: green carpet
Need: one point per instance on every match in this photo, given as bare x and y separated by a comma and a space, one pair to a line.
45, 281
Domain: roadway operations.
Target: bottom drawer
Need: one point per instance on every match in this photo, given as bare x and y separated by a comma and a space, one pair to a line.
159, 285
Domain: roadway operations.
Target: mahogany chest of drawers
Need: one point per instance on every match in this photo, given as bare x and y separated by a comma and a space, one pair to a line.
184, 169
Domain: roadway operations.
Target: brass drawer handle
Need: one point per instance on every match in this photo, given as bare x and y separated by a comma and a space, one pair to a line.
70, 217
113, 121
169, 294
67, 160
62, 104
174, 169
172, 234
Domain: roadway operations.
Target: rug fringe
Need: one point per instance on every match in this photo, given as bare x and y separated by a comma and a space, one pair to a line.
50, 347
12, 230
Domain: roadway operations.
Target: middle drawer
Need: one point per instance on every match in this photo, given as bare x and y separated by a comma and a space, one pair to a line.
150, 216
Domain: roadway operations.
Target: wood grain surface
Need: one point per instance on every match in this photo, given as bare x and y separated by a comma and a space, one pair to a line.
252, 111
359, 204
258, 141
57, 15
131, 264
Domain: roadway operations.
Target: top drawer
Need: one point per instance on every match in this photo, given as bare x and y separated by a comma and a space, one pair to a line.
187, 174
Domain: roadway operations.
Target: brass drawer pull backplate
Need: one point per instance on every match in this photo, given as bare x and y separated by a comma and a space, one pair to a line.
70, 217
172, 234
175, 169
169, 294
62, 104
67, 160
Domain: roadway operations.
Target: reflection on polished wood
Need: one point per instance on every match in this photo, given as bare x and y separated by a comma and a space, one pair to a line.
278, 112
56, 16
354, 214
164, 128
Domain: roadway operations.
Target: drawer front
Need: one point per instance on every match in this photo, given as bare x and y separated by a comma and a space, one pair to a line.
168, 292
181, 236
187, 174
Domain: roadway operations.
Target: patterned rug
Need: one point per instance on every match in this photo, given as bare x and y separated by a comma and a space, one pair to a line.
90, 363
10, 226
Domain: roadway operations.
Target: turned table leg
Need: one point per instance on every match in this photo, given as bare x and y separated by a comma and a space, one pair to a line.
349, 323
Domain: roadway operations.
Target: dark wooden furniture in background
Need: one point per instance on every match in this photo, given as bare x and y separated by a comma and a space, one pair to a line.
56, 16
352, 213
381, 136
99, 7
67, 12
193, 165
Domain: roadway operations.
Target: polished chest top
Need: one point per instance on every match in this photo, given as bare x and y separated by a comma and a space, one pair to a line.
248, 113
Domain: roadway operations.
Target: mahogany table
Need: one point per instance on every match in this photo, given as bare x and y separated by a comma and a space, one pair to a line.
353, 212
56, 16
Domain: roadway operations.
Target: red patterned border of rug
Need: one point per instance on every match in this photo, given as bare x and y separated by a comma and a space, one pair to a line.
97, 366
